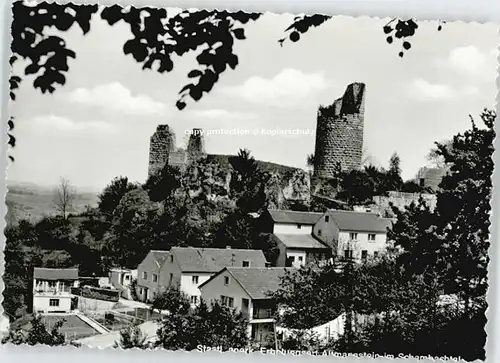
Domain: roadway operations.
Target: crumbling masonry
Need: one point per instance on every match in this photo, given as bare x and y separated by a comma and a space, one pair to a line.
339, 133
163, 151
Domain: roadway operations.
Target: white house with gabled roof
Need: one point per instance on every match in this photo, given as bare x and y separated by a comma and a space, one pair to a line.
353, 234
52, 289
248, 291
188, 267
288, 222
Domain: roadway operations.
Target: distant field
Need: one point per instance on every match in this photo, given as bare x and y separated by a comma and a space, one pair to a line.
33, 202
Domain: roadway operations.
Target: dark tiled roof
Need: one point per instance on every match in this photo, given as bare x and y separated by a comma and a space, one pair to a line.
359, 221
304, 241
160, 256
193, 259
258, 282
288, 216
55, 273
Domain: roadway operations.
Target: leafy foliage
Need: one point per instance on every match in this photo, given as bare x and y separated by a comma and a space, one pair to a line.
158, 37
131, 337
112, 195
37, 334
214, 326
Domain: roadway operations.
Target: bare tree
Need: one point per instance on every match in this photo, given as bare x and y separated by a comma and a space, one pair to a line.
64, 197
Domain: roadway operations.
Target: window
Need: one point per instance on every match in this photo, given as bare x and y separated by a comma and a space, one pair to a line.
171, 258
141, 291
54, 302
194, 299
194, 280
154, 294
171, 277
319, 232
364, 255
155, 277
327, 219
127, 277
300, 258
353, 236
375, 254
226, 280
245, 263
299, 226
227, 301
292, 258
347, 253
371, 237
422, 182
145, 275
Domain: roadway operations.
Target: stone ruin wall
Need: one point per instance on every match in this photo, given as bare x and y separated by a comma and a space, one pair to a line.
339, 133
162, 149
161, 144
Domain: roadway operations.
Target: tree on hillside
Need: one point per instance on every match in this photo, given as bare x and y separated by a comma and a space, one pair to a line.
64, 197
113, 194
157, 37
248, 182
162, 185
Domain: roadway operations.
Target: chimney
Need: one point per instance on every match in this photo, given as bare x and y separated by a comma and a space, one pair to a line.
228, 247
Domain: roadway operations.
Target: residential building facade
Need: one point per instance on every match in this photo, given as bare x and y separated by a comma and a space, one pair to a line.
247, 290
288, 222
52, 289
121, 279
148, 275
188, 267
358, 235
296, 250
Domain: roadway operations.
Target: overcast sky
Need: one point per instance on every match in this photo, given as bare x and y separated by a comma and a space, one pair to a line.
98, 125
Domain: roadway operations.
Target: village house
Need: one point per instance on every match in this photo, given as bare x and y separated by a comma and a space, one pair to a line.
247, 290
188, 267
288, 222
121, 279
357, 235
52, 289
296, 250
148, 275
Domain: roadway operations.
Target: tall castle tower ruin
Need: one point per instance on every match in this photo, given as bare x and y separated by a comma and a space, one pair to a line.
161, 144
339, 133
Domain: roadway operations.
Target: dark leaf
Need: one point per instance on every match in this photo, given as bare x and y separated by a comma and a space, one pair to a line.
194, 73
232, 60
239, 33
180, 105
294, 36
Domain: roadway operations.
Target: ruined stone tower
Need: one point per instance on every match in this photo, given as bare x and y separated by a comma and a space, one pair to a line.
339, 133
162, 143
196, 145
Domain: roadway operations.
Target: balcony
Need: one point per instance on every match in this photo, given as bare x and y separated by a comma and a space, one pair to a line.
263, 313
52, 291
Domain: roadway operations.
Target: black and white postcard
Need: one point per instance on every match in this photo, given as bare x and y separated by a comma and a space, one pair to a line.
207, 180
